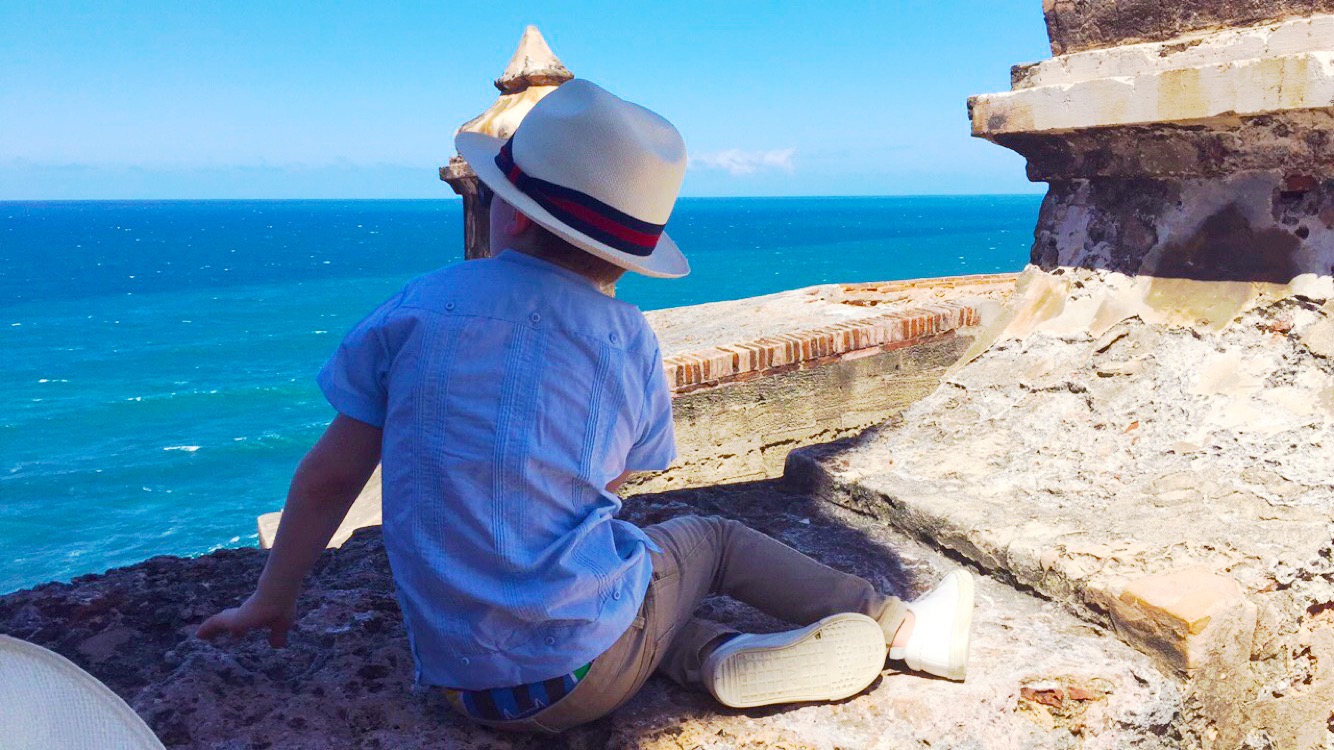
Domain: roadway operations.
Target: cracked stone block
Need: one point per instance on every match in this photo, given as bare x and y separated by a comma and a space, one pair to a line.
1186, 617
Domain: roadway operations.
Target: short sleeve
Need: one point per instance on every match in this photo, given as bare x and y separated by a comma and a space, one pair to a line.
656, 447
355, 379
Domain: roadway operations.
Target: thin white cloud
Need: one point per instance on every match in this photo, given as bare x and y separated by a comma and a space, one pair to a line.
736, 162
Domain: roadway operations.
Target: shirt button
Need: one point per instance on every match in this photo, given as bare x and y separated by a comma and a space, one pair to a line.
551, 641
616, 595
449, 306
535, 318
465, 661
614, 338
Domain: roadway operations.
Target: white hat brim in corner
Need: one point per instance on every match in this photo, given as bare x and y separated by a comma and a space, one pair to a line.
46, 701
666, 261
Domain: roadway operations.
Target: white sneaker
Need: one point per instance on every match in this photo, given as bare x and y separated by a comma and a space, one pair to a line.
943, 629
832, 659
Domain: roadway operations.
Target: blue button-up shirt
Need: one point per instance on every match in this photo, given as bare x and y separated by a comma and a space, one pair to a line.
511, 392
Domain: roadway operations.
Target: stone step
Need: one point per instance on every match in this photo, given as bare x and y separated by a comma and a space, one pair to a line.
1039, 677
1160, 485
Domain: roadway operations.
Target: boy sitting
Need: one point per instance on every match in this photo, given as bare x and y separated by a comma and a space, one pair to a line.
509, 399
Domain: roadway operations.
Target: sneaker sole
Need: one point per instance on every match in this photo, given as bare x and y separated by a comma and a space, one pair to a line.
832, 659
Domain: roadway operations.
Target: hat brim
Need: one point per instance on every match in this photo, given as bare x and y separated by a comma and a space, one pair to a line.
666, 261
48, 701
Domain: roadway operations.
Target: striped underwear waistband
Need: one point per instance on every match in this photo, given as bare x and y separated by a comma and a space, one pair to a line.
512, 703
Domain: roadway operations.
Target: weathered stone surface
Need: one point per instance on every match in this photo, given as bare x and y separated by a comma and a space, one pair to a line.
1244, 230
1142, 433
1040, 678
1226, 45
1295, 145
1074, 25
1094, 468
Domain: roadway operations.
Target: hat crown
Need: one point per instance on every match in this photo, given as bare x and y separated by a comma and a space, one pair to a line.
584, 138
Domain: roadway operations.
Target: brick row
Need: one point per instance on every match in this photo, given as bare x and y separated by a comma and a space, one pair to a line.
811, 347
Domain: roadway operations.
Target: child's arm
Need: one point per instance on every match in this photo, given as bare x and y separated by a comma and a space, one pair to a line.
323, 489
615, 485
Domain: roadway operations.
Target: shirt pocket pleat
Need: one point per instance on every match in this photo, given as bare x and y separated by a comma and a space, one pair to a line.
583, 486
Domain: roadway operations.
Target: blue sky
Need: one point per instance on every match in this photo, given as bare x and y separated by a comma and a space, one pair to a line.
360, 100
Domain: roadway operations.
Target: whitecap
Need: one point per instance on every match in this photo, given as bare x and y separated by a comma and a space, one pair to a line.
186, 448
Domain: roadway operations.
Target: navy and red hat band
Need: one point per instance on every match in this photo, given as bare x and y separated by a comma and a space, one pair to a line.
582, 212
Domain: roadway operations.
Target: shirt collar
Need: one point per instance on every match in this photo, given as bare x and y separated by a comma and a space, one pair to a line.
523, 259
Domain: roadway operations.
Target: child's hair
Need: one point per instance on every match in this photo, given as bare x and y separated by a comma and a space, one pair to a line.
549, 246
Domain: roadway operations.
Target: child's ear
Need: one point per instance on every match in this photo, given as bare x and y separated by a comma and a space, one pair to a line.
522, 223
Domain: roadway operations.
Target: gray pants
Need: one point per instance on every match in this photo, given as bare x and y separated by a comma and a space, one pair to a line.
703, 556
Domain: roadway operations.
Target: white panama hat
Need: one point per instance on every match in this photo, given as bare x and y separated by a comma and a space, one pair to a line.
49, 703
594, 169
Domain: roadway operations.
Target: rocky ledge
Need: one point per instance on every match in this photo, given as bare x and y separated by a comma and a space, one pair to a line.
1041, 678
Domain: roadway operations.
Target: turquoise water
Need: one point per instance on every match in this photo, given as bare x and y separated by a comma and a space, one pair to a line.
156, 388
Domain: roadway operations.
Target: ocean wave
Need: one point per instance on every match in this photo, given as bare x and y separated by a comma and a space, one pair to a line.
186, 448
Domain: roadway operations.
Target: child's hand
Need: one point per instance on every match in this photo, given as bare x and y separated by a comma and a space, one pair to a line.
252, 615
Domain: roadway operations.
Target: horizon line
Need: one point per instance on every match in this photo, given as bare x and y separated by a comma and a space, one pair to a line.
455, 198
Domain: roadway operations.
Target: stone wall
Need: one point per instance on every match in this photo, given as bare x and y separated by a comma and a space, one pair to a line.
744, 430
1142, 435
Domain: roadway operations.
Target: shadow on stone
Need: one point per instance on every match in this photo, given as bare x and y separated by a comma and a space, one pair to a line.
1189, 230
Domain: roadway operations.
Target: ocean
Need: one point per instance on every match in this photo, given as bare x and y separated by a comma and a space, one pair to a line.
157, 383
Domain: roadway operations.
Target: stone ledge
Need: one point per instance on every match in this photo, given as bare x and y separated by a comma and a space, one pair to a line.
1230, 90
682, 330
1293, 36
